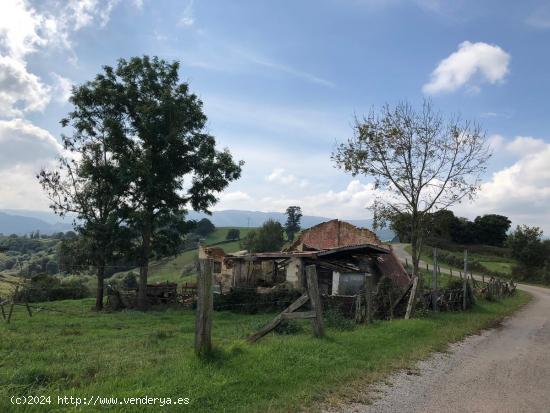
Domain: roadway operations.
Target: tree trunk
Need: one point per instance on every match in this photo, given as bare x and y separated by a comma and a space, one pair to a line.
415, 246
100, 287
144, 269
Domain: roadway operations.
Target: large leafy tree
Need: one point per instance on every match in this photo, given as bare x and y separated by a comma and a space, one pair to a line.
269, 237
491, 229
169, 159
204, 227
421, 162
87, 181
292, 225
528, 246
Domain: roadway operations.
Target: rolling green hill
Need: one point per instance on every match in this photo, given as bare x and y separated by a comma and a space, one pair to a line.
181, 268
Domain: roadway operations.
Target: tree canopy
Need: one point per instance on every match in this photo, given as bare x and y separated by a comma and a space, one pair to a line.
292, 225
269, 237
204, 227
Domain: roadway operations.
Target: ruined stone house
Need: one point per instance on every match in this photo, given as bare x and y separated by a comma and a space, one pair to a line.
342, 253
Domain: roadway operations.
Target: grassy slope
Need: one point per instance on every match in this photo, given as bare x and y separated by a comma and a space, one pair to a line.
170, 268
134, 354
492, 263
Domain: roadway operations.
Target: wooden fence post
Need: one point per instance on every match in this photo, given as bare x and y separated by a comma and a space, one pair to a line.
434, 281
412, 299
465, 280
358, 308
205, 307
315, 300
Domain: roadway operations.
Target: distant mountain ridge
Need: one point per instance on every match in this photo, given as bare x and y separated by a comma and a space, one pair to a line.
21, 225
241, 218
13, 221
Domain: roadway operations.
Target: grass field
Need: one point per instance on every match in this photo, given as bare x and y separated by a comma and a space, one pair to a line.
171, 269
491, 263
133, 354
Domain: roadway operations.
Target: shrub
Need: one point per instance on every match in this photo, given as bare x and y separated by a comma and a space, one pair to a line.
129, 281
48, 288
334, 318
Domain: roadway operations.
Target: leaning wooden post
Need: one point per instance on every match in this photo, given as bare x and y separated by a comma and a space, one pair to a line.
465, 279
12, 304
205, 307
412, 299
370, 297
434, 281
315, 300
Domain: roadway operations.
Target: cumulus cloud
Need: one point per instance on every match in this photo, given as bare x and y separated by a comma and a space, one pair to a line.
62, 88
350, 202
24, 143
235, 196
20, 91
20, 189
281, 177
470, 66
520, 191
525, 145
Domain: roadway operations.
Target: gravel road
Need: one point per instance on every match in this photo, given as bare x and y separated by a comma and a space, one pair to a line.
506, 369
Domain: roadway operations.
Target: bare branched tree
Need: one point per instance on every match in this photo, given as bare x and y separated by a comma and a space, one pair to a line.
420, 161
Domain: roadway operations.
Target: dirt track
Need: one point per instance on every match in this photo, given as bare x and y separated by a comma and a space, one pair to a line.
506, 369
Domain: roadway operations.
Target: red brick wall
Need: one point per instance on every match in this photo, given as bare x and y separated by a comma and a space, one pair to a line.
336, 233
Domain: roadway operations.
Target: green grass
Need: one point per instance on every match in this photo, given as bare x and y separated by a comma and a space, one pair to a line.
490, 262
171, 269
504, 268
134, 354
220, 233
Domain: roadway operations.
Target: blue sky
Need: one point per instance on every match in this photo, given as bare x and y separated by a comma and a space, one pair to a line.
282, 81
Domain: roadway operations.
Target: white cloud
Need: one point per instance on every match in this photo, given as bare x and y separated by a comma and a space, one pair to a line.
496, 142
20, 189
188, 19
62, 88
24, 143
470, 66
351, 202
20, 91
25, 149
85, 12
520, 191
525, 145
20, 27
279, 176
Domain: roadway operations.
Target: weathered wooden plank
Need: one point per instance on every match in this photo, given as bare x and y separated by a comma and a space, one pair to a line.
315, 300
205, 307
298, 315
358, 304
273, 323
412, 299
